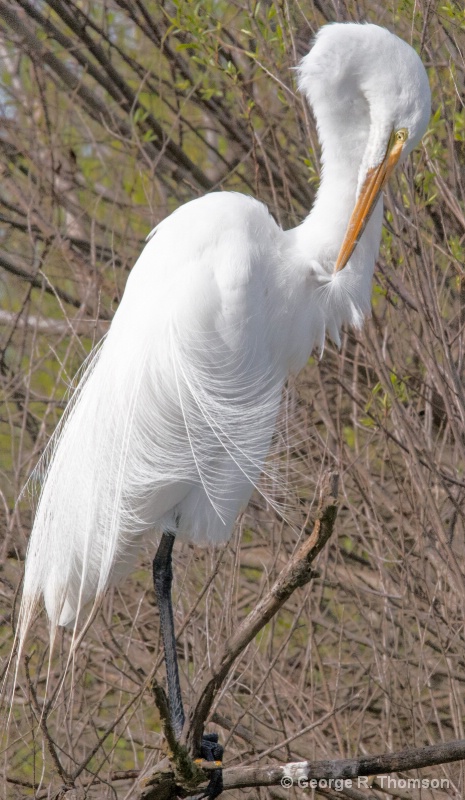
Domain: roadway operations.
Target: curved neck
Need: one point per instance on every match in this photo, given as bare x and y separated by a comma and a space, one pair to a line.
345, 130
321, 234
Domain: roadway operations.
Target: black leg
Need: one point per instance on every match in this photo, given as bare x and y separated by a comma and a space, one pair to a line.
163, 578
212, 751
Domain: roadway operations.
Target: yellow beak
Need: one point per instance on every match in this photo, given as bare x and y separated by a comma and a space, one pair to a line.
373, 185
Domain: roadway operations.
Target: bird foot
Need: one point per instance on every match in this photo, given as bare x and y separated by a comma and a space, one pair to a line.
211, 750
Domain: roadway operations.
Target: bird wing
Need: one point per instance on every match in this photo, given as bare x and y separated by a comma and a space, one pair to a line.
172, 420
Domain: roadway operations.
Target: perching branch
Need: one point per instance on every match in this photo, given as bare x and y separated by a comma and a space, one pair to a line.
300, 773
298, 572
186, 773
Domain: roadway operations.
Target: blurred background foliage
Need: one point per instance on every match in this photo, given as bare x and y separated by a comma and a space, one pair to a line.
112, 115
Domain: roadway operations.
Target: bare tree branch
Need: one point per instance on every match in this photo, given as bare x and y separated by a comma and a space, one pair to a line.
297, 573
301, 773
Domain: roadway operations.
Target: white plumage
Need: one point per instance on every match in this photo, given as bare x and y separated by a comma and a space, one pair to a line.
171, 424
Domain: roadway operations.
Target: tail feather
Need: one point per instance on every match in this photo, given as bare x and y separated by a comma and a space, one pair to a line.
150, 432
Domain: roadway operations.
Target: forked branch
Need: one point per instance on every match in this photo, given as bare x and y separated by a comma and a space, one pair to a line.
297, 573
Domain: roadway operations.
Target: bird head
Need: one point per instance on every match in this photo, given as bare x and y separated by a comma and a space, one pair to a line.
379, 110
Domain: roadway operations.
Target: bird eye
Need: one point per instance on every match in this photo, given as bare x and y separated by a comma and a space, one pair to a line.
401, 135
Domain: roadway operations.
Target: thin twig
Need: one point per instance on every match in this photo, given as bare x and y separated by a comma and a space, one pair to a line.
42, 718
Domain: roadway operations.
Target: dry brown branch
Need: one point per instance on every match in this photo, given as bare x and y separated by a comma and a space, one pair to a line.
297, 573
308, 774
351, 768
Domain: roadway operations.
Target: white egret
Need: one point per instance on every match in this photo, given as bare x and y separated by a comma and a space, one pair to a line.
168, 430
